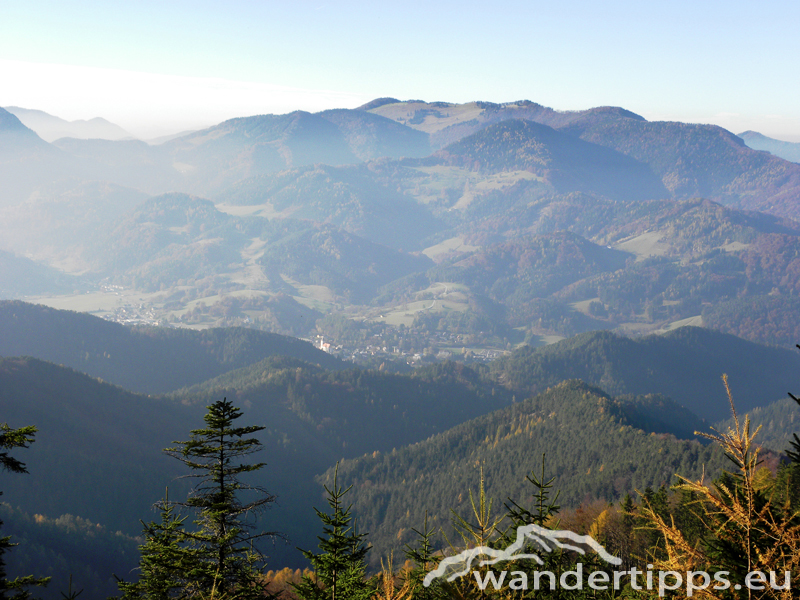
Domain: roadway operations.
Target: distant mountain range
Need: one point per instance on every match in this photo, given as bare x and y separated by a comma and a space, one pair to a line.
562, 222
51, 128
756, 141
689, 160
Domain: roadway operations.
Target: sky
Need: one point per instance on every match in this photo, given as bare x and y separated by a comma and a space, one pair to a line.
156, 68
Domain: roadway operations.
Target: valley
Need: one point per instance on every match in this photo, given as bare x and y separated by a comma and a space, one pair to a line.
418, 299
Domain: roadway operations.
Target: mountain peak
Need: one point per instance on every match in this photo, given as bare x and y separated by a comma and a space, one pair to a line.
51, 128
9, 122
377, 102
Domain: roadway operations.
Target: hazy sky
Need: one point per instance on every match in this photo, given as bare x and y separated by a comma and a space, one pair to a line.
159, 67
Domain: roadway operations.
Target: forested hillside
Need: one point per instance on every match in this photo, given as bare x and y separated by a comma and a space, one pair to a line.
410, 443
586, 436
685, 364
21, 276
144, 359
569, 164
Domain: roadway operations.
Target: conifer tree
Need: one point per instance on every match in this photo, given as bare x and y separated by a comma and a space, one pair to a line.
425, 560
163, 562
10, 439
220, 557
544, 507
339, 568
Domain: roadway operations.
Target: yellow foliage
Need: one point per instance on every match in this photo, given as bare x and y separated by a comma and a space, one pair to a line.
737, 516
388, 584
599, 525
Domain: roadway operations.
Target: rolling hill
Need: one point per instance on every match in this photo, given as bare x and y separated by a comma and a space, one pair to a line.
703, 160
59, 223
371, 136
27, 161
20, 276
100, 446
354, 198
146, 360
447, 122
690, 160
685, 364
180, 238
590, 444
566, 162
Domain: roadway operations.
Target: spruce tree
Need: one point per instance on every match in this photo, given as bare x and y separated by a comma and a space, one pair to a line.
164, 562
10, 439
339, 568
425, 560
220, 558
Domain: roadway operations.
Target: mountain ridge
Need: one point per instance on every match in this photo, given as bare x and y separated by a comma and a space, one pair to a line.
758, 141
51, 128
144, 360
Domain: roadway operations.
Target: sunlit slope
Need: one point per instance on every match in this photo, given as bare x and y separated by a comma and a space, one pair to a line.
591, 448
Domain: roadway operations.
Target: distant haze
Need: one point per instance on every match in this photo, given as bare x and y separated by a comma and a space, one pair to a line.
153, 105
149, 105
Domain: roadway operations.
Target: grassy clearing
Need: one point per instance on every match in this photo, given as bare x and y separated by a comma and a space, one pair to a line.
438, 297
439, 179
637, 328
470, 183
734, 247
645, 245
97, 303
441, 118
266, 210
251, 274
583, 305
696, 321
543, 340
318, 294
506, 179
454, 244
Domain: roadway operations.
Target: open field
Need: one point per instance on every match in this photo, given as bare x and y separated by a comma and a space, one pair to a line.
427, 117
734, 247
454, 244
317, 297
645, 245
266, 210
545, 340
99, 303
583, 305
696, 321
437, 297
